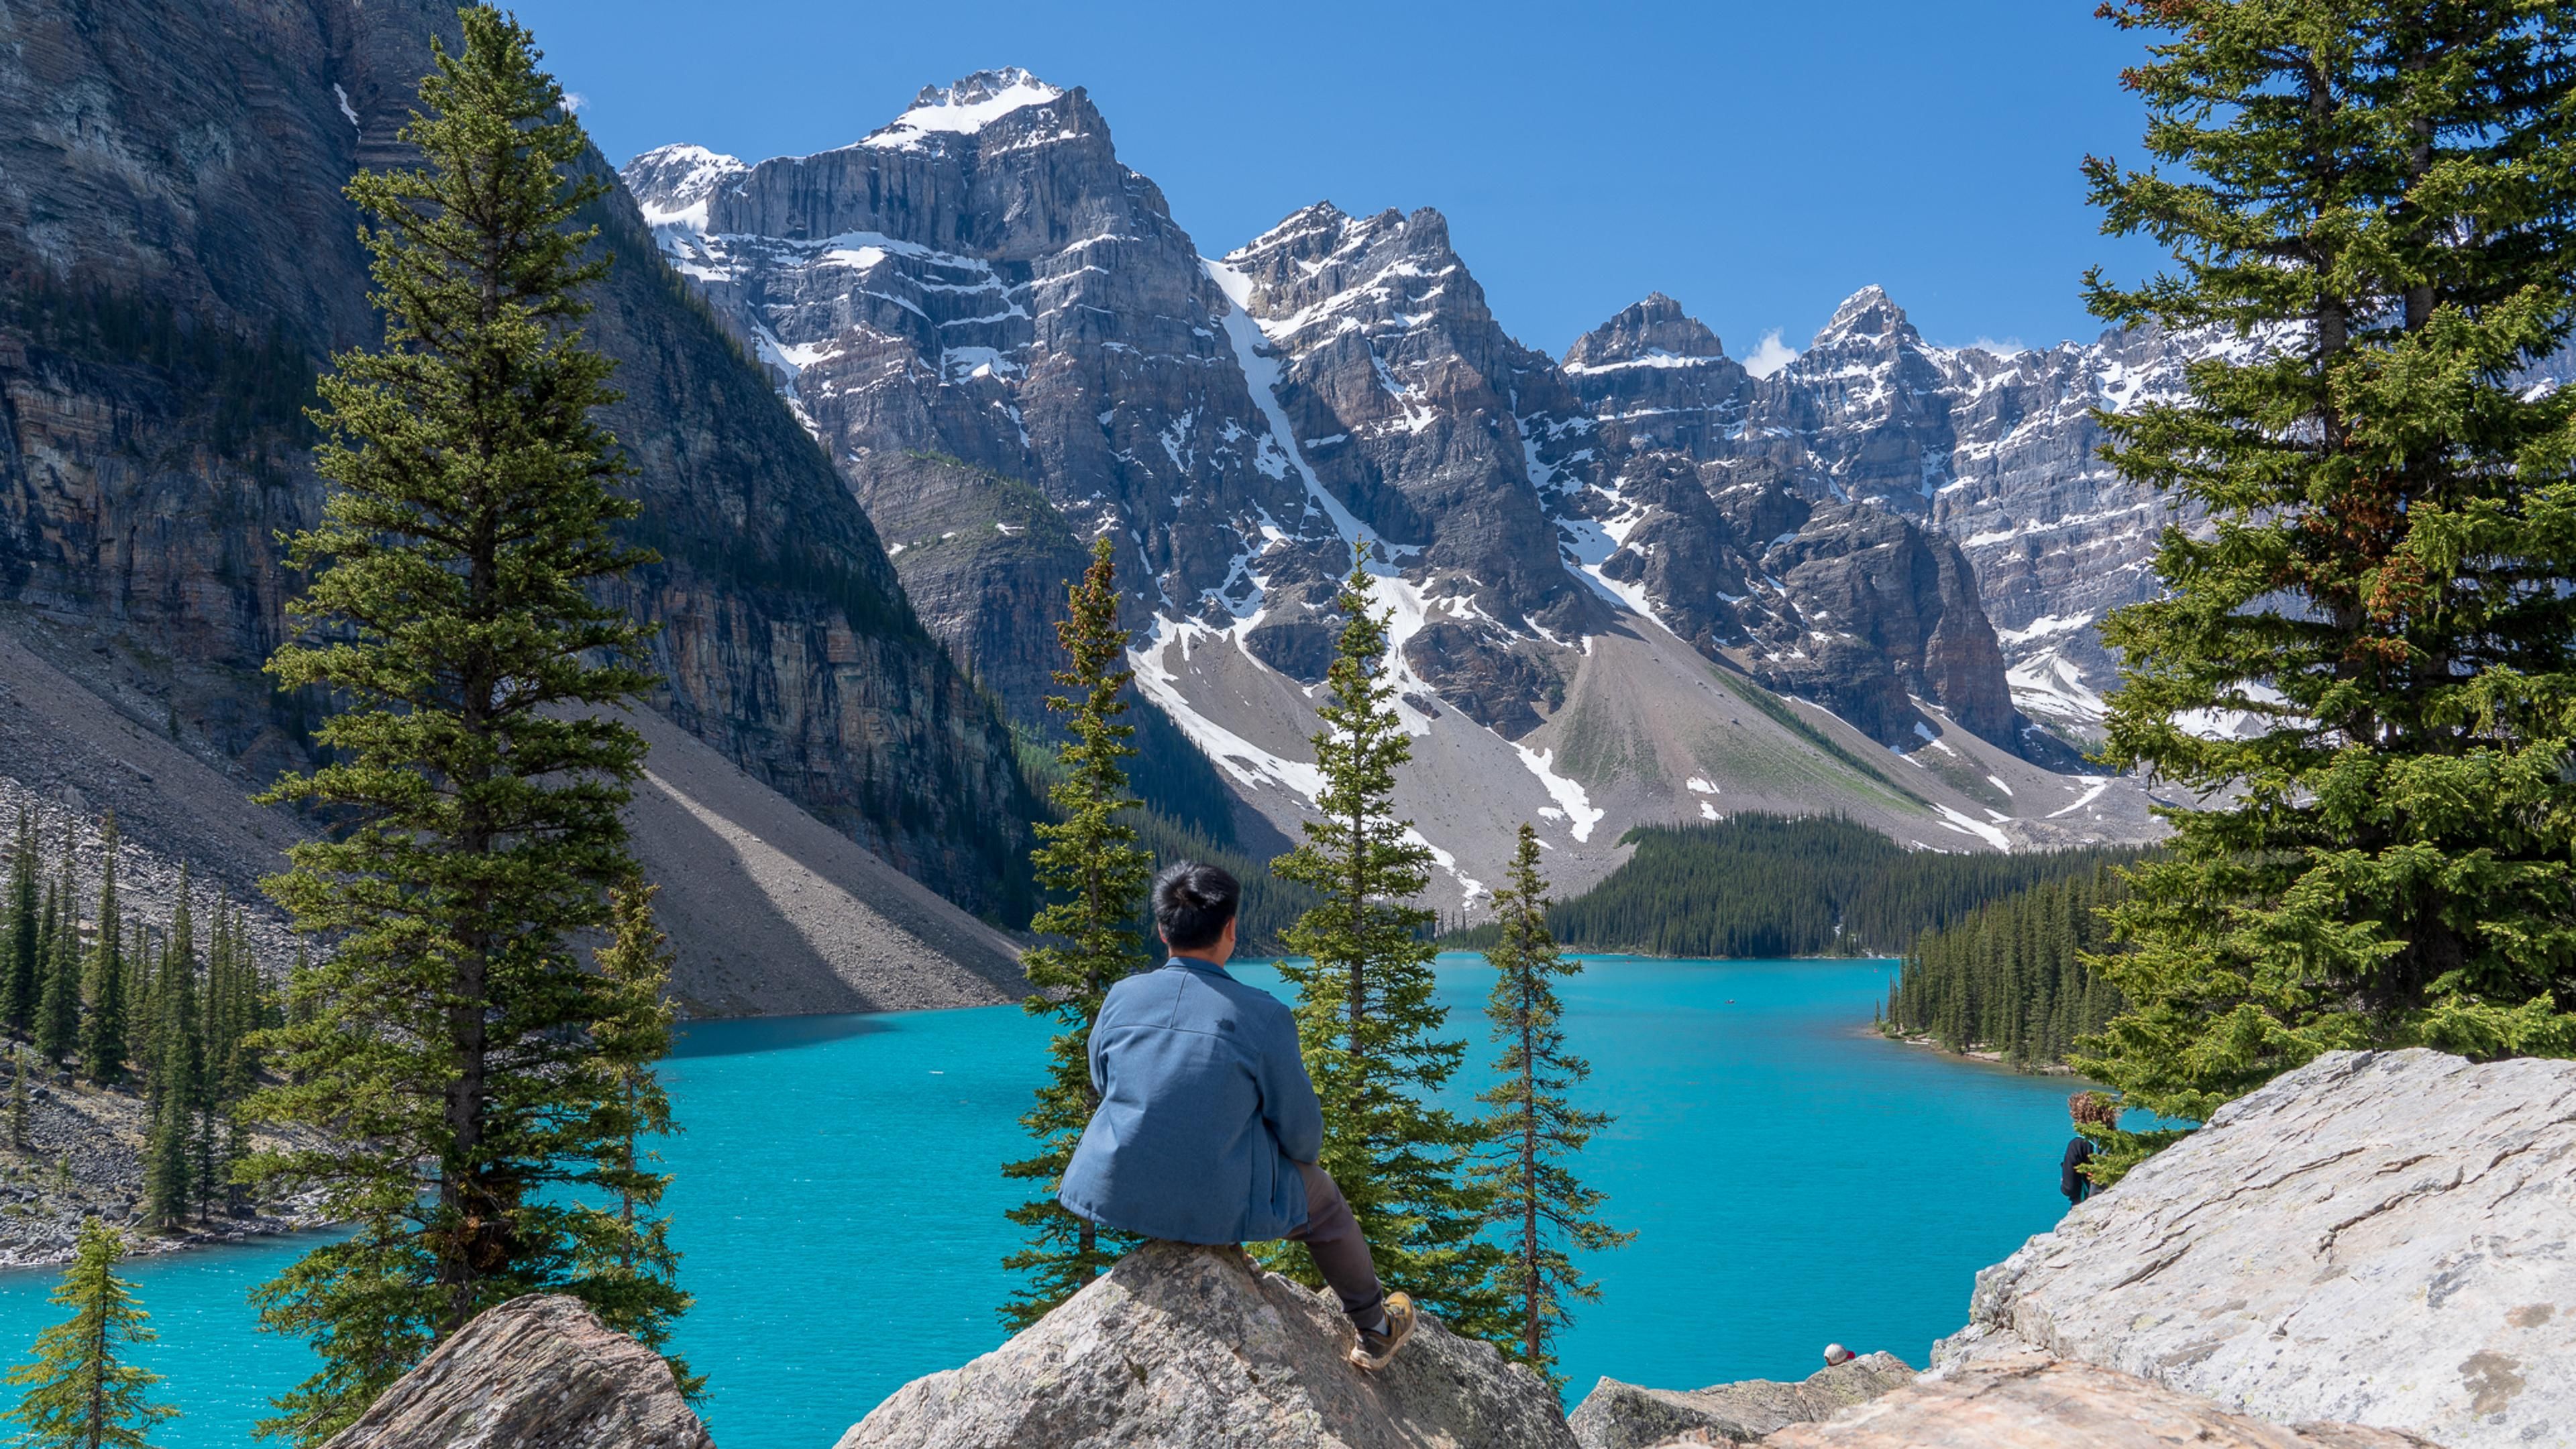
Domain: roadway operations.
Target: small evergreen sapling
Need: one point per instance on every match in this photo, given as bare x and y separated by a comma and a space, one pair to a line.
1366, 1020
81, 1394
1091, 866
1531, 1130
630, 1270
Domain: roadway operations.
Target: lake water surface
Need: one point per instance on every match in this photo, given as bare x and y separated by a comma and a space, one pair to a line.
1792, 1179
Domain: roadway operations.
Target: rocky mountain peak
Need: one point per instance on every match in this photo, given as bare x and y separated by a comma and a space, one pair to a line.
962, 107
1654, 331
1867, 316
672, 184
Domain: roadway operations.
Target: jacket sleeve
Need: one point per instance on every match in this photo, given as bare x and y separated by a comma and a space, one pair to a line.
1288, 1101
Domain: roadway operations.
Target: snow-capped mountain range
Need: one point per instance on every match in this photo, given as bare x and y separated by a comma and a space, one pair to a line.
1636, 583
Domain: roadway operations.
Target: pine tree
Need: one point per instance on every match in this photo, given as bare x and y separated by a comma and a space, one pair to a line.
177, 1081
1531, 1130
80, 1392
21, 986
137, 1002
102, 1034
480, 763
1089, 863
58, 1007
2379, 203
1366, 1020
631, 1267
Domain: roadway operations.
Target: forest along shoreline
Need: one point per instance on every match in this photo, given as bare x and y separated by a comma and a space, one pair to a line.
1992, 950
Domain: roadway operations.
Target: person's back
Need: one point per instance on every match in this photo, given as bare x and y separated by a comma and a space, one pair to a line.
1208, 1129
1204, 1112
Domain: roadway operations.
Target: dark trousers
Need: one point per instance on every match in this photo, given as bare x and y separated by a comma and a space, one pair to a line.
1332, 1235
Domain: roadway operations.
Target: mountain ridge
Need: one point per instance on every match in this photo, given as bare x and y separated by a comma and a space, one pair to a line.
1008, 345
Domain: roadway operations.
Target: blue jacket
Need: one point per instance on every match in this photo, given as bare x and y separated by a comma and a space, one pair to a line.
1204, 1111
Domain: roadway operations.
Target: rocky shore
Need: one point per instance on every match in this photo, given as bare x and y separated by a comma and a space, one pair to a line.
83, 1159
2370, 1253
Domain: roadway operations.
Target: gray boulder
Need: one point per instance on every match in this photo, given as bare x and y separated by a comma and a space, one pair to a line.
2036, 1402
2387, 1238
1191, 1346
535, 1373
1623, 1416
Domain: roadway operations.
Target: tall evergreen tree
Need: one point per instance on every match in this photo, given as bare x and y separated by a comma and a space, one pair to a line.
81, 1392
1531, 1129
481, 762
1366, 1020
58, 1006
22, 984
137, 1002
2379, 200
1095, 875
170, 1180
626, 1252
102, 1034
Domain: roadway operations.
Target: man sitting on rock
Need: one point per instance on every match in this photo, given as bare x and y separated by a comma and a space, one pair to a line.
1208, 1129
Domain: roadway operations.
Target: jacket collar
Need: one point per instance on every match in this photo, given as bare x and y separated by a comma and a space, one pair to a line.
1193, 963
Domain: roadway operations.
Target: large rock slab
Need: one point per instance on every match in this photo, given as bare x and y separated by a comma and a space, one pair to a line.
535, 1373
2385, 1238
1190, 1346
2033, 1401
1624, 1416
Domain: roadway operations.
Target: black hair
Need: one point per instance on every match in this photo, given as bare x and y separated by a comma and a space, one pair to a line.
1192, 903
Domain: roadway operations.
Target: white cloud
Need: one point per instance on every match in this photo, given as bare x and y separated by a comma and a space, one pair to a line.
2006, 347
1771, 355
574, 101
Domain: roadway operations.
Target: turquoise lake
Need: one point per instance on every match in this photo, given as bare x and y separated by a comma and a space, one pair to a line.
1792, 1178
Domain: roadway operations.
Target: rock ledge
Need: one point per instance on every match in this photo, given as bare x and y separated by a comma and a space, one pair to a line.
1187, 1345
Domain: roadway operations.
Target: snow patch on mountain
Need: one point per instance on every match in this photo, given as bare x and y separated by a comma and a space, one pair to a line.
962, 109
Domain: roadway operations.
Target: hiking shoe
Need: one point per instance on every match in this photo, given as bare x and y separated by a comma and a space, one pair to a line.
1374, 1349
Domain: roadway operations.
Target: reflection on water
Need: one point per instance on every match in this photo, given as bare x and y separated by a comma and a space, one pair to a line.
734, 1036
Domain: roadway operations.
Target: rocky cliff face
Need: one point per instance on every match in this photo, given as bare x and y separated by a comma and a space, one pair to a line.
180, 261
1007, 346
2379, 1237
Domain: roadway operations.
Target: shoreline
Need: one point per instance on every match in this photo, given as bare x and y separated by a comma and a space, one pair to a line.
83, 1159
1994, 1060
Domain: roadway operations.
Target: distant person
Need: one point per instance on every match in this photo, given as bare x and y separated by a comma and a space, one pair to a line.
1208, 1129
2087, 1108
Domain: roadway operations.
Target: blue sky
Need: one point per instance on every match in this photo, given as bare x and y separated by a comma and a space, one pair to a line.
1758, 161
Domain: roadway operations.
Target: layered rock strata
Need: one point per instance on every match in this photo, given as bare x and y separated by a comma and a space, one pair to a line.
534, 1373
